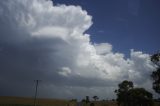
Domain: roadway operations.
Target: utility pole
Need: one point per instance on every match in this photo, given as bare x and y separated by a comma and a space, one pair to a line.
35, 97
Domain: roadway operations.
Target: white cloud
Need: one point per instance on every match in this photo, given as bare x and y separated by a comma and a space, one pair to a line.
50, 40
103, 48
65, 71
51, 32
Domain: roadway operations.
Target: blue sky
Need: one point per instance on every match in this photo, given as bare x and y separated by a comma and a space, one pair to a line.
126, 24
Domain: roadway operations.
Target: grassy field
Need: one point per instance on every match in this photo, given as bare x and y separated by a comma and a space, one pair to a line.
157, 104
16, 101
102, 103
21, 101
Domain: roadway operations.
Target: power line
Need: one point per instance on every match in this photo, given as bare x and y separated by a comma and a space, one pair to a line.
35, 97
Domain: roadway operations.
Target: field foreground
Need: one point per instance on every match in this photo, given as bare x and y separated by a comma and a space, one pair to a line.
23, 101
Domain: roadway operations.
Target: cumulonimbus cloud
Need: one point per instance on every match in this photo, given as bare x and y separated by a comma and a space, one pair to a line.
40, 40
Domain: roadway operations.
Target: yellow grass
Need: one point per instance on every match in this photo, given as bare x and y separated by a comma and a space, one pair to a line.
157, 104
105, 103
40, 102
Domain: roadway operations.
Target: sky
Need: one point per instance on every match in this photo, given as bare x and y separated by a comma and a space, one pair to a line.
76, 48
125, 24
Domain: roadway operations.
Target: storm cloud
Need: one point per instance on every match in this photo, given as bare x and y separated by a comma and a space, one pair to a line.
40, 40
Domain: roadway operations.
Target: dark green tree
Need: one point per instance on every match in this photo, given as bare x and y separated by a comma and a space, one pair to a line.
129, 96
95, 98
156, 74
122, 96
139, 97
87, 99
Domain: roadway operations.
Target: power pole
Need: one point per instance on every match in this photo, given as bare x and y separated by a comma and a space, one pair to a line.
35, 97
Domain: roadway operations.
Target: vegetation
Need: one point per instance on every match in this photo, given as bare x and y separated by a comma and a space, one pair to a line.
95, 98
122, 92
156, 74
87, 99
129, 96
139, 96
20, 101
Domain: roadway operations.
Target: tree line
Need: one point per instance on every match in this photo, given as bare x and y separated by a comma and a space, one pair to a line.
128, 95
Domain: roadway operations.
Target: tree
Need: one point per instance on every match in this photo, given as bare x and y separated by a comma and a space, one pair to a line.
124, 87
129, 96
139, 97
155, 58
83, 100
95, 98
87, 99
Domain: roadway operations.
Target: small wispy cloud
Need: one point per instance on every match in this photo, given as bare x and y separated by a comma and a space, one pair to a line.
101, 31
133, 7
